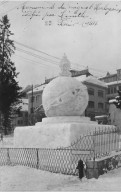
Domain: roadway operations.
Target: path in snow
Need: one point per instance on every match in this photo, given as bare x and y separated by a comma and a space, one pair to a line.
21, 179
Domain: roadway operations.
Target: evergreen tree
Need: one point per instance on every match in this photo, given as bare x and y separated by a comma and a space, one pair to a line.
9, 88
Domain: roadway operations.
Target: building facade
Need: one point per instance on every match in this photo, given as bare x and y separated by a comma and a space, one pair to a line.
21, 118
35, 101
113, 82
97, 91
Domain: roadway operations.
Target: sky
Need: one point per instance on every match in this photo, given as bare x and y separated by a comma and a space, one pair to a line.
89, 32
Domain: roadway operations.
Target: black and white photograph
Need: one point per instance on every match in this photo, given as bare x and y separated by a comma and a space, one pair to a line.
60, 96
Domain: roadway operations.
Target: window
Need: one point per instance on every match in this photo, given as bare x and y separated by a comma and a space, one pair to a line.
115, 90
91, 104
91, 91
100, 93
19, 122
120, 87
26, 114
20, 114
100, 105
111, 90
108, 90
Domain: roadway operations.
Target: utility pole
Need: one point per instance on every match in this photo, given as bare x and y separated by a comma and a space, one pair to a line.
32, 109
0, 122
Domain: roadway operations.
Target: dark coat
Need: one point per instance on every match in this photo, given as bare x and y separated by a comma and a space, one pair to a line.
80, 167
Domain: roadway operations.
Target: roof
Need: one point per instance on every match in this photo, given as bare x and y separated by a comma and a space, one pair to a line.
114, 83
76, 73
101, 117
91, 79
108, 76
38, 89
112, 101
82, 78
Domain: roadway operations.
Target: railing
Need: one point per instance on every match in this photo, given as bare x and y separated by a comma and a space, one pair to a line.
106, 141
53, 160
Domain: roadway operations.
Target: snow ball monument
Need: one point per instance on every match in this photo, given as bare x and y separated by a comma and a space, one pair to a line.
64, 96
64, 100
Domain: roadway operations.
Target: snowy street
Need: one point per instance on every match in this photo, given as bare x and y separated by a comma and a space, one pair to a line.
21, 179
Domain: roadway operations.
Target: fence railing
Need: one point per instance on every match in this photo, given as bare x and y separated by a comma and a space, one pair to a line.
64, 160
53, 160
106, 141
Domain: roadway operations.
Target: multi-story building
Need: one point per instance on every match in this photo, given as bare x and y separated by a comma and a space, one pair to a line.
21, 118
35, 100
96, 89
113, 81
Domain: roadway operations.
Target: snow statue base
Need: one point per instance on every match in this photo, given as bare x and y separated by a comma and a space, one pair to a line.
52, 132
55, 132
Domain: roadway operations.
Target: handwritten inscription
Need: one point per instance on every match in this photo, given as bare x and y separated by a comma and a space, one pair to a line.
69, 13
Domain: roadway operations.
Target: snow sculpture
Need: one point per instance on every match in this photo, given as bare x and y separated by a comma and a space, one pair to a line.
64, 101
65, 66
65, 96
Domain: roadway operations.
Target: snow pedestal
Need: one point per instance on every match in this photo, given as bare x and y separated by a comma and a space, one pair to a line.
53, 132
56, 132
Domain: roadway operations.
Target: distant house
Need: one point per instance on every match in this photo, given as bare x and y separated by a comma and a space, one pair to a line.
113, 82
35, 101
97, 91
21, 118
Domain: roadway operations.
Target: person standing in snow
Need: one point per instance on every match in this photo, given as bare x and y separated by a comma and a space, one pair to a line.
80, 167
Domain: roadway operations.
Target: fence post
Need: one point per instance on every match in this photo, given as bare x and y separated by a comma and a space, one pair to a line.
94, 137
119, 139
37, 166
8, 157
94, 134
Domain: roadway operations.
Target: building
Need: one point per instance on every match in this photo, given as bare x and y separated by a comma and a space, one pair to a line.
113, 82
35, 101
97, 91
21, 118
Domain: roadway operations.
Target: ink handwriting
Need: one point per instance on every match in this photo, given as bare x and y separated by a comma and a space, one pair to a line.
70, 13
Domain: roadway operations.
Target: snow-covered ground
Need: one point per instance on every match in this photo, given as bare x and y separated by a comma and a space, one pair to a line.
7, 142
20, 179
